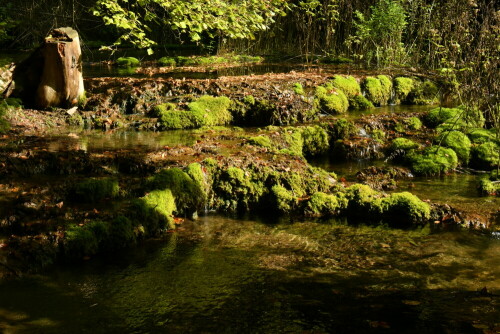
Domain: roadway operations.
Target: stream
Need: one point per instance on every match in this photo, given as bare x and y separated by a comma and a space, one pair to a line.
229, 275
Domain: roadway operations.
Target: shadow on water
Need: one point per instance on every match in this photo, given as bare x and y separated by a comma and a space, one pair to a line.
227, 276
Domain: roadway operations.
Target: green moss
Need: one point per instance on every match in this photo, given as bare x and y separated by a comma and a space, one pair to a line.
76, 120
348, 85
378, 135
413, 123
440, 115
457, 141
156, 209
298, 89
375, 91
212, 110
82, 100
128, 62
315, 141
434, 161
360, 198
402, 88
189, 194
488, 187
424, 93
321, 204
80, 241
167, 61
386, 84
249, 99
486, 156
481, 136
359, 102
294, 140
403, 144
262, 141
331, 101
94, 190
405, 207
238, 190
284, 200
342, 129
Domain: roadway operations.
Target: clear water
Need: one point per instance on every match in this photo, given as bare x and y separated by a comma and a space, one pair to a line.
242, 276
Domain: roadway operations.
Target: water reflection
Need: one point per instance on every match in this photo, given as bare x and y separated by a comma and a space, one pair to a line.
241, 276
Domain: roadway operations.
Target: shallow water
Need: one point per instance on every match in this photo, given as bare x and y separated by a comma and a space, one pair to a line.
242, 276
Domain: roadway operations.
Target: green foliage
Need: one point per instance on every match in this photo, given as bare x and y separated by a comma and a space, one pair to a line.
348, 85
224, 18
94, 190
379, 36
457, 141
128, 62
331, 101
486, 156
434, 161
298, 89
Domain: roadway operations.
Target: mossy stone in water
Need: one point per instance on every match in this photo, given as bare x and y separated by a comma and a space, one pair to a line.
434, 161
413, 123
348, 85
486, 156
423, 93
377, 90
440, 115
403, 144
262, 141
341, 129
128, 62
315, 141
404, 208
167, 61
359, 102
402, 88
331, 101
488, 187
481, 136
284, 200
93, 190
457, 141
155, 209
321, 204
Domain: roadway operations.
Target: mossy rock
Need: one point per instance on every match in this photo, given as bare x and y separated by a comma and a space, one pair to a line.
377, 90
331, 101
94, 190
485, 156
341, 129
167, 61
189, 194
402, 89
262, 141
488, 187
283, 199
321, 204
433, 161
156, 210
128, 62
348, 85
424, 93
360, 198
413, 123
315, 141
403, 208
359, 102
403, 144
440, 115
459, 142
481, 136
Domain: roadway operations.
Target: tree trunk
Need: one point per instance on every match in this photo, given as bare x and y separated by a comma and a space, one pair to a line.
52, 75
